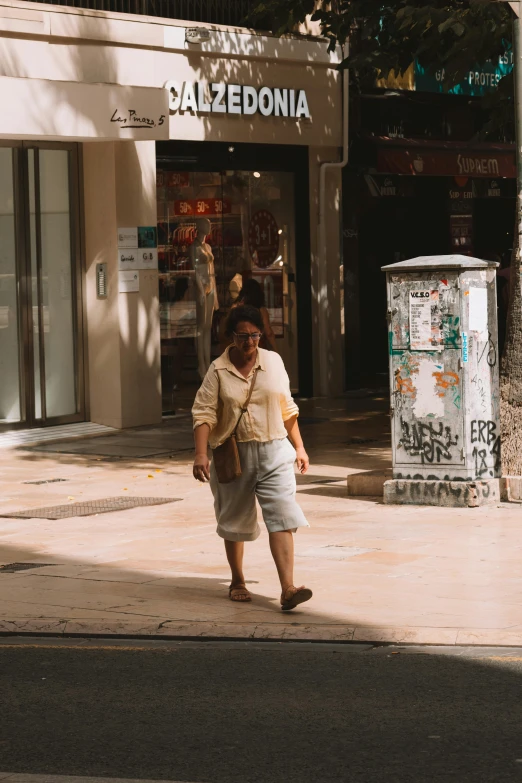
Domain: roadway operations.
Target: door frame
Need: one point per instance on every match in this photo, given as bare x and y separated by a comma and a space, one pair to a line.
222, 156
24, 286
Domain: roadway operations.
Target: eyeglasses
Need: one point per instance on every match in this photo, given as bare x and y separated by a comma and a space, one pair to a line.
244, 337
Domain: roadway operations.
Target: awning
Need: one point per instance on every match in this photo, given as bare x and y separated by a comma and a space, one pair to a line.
445, 159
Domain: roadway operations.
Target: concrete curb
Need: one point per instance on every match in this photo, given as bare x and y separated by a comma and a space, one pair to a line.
170, 629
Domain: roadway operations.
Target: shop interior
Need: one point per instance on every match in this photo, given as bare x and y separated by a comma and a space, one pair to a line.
218, 228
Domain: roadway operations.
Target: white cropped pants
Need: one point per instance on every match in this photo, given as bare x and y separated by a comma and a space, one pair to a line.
268, 475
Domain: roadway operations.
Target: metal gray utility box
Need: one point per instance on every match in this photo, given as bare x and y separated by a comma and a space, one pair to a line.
443, 355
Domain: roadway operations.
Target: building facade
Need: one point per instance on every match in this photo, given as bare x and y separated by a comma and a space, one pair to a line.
147, 171
426, 176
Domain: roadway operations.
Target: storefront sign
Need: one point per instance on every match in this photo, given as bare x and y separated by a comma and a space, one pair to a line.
495, 188
480, 80
446, 163
47, 109
263, 239
220, 98
130, 119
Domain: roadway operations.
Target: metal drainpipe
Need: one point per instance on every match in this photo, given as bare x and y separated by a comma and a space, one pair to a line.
322, 273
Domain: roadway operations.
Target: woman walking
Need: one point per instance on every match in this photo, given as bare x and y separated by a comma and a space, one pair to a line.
245, 399
252, 294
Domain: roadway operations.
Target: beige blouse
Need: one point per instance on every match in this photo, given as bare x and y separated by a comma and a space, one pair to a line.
224, 390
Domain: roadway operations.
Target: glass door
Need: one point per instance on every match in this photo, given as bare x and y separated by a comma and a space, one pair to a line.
40, 298
11, 409
216, 231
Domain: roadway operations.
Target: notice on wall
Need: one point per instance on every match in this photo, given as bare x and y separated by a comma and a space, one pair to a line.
478, 312
128, 282
420, 321
128, 259
147, 259
128, 237
137, 248
147, 236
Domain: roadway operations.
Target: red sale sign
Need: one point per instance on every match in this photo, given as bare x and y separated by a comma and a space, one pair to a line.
183, 208
201, 207
178, 179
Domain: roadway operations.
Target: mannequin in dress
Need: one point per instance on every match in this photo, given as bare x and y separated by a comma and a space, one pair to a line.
207, 300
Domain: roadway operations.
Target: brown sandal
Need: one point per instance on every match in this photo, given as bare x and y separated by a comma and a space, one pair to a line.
239, 593
293, 596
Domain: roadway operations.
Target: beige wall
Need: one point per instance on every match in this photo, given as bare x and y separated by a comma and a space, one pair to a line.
122, 330
78, 53
74, 49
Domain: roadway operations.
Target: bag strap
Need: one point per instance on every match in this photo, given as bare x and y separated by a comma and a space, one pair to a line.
245, 406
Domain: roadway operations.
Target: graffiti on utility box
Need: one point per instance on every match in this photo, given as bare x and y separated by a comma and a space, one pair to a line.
430, 441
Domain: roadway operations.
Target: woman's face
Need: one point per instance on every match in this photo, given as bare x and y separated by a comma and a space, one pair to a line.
246, 338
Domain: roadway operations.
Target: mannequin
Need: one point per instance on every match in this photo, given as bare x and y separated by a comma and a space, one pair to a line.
206, 292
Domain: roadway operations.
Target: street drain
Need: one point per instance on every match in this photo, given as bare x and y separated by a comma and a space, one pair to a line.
44, 481
12, 568
87, 508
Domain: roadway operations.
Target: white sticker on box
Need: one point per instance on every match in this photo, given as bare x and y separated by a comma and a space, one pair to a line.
478, 311
420, 321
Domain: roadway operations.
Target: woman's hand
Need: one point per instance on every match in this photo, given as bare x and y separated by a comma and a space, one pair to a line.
201, 468
303, 463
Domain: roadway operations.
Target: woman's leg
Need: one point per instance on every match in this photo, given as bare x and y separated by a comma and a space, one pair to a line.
282, 548
235, 551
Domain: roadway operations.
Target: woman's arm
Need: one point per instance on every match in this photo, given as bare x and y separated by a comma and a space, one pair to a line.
201, 467
292, 428
267, 329
204, 415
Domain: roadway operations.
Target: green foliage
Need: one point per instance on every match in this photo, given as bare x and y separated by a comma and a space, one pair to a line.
454, 35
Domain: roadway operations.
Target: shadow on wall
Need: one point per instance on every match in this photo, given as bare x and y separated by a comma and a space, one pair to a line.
112, 65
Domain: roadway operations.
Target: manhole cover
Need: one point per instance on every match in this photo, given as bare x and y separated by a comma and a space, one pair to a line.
87, 508
11, 568
44, 481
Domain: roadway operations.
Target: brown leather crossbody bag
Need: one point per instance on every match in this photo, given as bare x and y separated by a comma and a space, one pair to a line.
226, 457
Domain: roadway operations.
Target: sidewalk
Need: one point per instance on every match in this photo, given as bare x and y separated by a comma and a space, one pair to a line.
379, 573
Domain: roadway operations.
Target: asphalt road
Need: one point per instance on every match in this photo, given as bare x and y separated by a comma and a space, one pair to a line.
260, 713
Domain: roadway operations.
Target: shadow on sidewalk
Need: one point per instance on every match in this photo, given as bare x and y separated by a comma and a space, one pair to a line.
307, 715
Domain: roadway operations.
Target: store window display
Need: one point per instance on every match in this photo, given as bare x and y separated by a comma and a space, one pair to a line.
207, 300
216, 230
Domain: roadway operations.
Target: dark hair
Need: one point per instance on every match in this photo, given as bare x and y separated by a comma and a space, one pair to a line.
243, 313
252, 294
